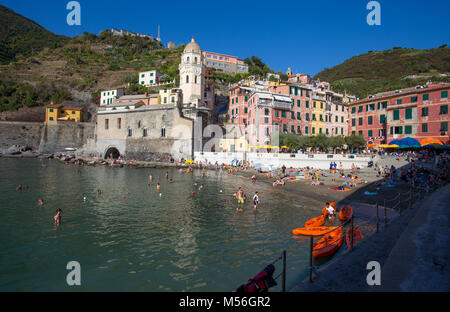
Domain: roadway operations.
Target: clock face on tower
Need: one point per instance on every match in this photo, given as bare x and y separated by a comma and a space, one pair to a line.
197, 71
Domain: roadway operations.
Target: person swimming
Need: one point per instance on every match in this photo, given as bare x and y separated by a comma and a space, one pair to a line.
158, 187
57, 217
19, 187
99, 192
150, 179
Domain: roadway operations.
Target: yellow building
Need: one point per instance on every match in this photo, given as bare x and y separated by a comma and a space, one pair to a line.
170, 96
234, 144
64, 112
318, 113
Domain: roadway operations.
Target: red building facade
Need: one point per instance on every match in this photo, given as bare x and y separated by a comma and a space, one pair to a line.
420, 112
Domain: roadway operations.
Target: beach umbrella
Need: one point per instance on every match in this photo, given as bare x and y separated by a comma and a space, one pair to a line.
387, 146
408, 142
442, 147
430, 141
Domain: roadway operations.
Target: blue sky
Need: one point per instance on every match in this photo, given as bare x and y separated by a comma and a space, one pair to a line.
307, 36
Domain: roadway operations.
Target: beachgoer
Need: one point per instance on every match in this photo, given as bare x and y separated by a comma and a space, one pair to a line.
253, 178
40, 202
158, 187
99, 192
330, 210
167, 175
255, 200
57, 217
150, 179
19, 187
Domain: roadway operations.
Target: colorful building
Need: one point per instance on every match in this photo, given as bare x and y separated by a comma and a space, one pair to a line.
66, 112
318, 115
224, 63
149, 78
420, 112
110, 96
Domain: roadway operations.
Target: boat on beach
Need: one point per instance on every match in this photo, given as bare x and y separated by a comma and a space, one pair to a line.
328, 244
315, 231
315, 222
346, 213
357, 236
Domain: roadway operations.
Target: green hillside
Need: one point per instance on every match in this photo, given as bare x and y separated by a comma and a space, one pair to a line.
388, 70
21, 36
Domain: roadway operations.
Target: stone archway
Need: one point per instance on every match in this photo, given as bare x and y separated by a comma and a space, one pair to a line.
112, 152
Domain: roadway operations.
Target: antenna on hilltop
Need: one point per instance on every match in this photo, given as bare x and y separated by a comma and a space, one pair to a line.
159, 33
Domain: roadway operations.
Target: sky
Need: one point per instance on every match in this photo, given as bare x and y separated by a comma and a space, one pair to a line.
307, 36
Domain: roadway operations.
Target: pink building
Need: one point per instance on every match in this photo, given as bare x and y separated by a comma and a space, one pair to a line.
300, 78
300, 95
225, 63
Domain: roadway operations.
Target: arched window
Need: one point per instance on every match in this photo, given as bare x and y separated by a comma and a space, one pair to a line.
187, 59
195, 79
187, 78
195, 60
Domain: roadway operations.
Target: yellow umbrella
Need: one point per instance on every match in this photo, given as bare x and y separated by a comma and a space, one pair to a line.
284, 147
387, 146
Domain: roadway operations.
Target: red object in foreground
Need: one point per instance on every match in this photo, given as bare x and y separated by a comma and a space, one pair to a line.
328, 244
357, 236
316, 231
315, 222
346, 213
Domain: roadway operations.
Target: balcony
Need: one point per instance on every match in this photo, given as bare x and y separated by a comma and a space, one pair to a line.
275, 104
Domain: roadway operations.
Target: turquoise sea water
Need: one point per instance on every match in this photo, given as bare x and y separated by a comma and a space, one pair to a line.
176, 242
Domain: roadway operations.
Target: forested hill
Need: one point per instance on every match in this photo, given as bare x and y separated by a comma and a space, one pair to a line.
21, 36
397, 68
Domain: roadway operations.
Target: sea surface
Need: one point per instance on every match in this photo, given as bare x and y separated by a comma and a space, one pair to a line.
133, 238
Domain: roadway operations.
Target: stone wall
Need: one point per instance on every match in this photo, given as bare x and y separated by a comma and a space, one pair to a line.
20, 133
45, 138
148, 133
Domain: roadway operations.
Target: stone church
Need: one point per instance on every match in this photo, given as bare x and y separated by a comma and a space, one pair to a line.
138, 130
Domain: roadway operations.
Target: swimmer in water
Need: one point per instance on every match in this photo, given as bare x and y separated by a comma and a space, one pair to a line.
150, 179
57, 217
200, 188
99, 192
167, 175
40, 202
158, 187
19, 187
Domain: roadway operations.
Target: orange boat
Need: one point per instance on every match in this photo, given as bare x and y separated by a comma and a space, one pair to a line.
325, 211
357, 236
346, 213
328, 244
319, 230
315, 222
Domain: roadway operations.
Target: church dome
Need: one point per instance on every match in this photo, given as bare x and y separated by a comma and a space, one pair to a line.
192, 47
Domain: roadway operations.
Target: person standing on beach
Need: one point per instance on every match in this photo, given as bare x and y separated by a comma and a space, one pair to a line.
330, 210
333, 172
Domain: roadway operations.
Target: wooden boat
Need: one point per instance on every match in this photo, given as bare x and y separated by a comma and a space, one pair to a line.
328, 244
320, 230
357, 236
315, 222
346, 213
325, 211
